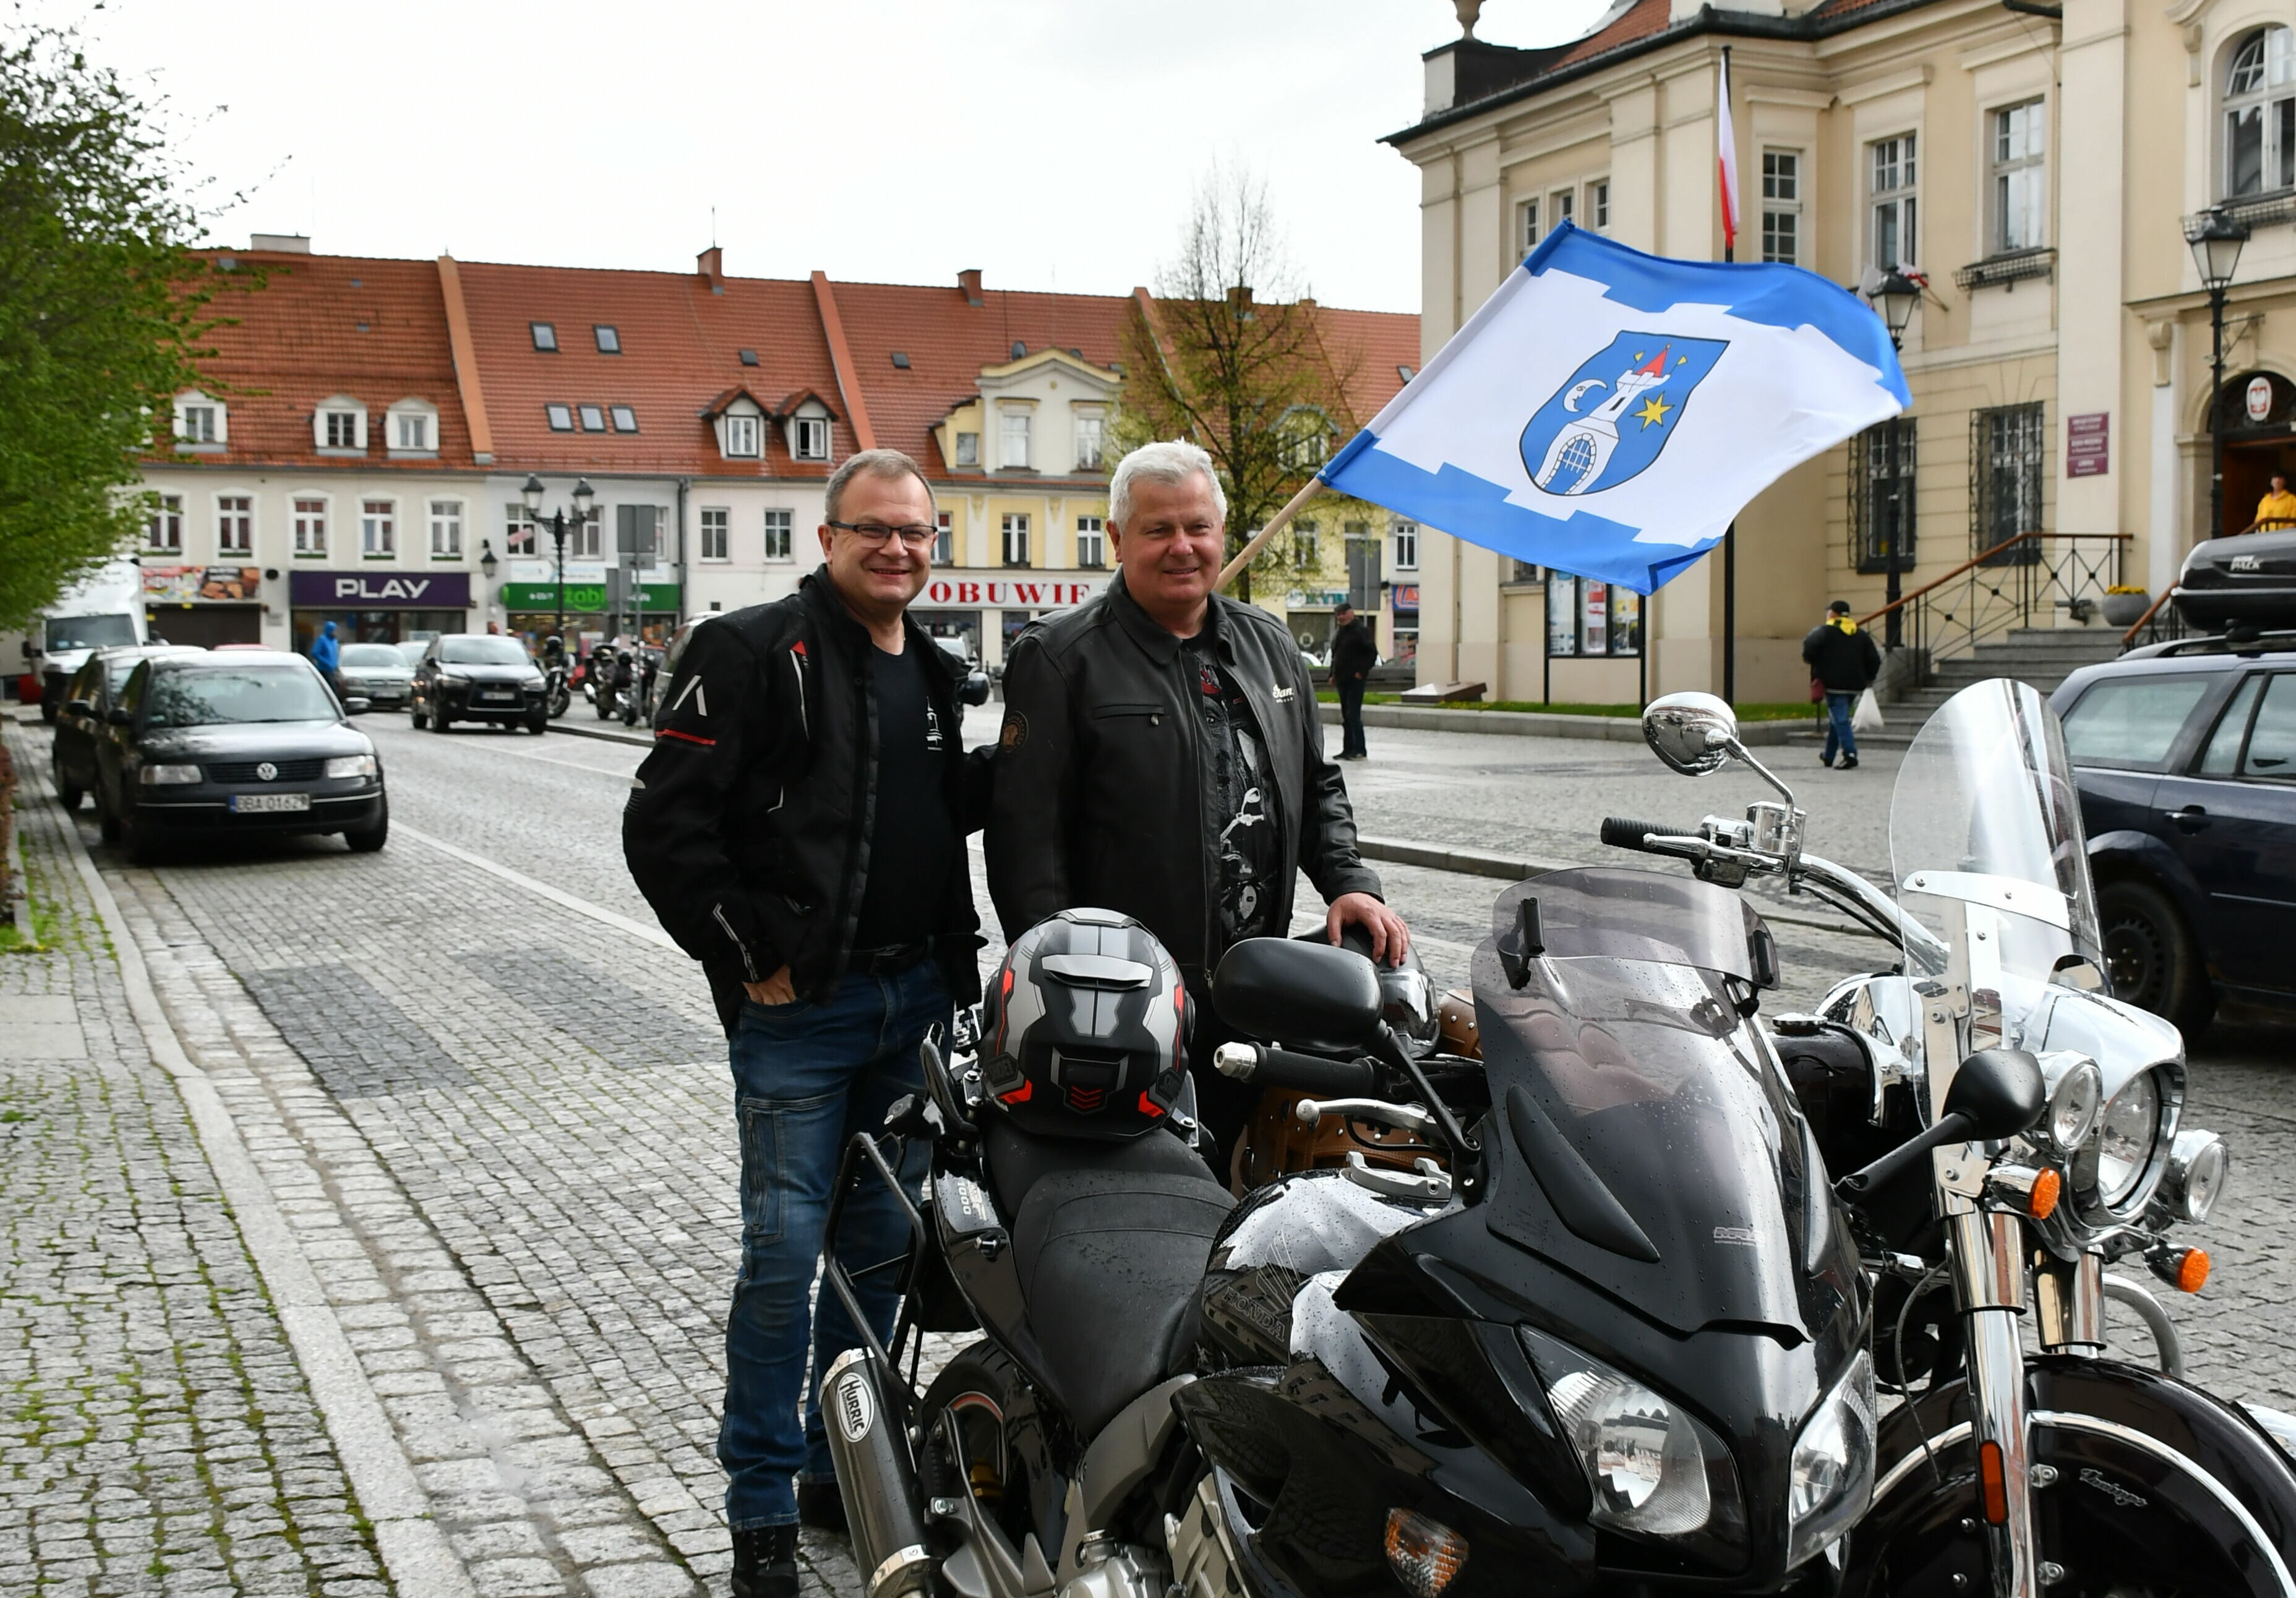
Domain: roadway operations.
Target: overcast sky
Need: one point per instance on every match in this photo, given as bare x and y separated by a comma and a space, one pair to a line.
1052, 143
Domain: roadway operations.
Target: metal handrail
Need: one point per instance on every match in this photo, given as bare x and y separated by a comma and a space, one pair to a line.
1974, 561
1987, 595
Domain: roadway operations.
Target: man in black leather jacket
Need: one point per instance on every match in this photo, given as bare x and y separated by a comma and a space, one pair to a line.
1162, 756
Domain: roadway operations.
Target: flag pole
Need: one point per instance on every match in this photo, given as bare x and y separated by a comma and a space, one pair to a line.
1275, 524
1725, 125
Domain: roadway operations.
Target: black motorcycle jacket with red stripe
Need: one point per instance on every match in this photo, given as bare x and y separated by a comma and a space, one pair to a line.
748, 827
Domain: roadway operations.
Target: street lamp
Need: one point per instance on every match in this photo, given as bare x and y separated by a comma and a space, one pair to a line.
2215, 237
1895, 297
558, 525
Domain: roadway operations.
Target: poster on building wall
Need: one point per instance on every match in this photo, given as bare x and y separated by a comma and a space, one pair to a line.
198, 584
2088, 449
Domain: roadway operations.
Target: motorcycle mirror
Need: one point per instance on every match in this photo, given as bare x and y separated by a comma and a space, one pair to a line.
356, 706
1301, 993
1522, 943
1694, 733
1999, 1092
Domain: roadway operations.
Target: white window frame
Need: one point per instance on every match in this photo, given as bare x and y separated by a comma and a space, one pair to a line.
1014, 424
1781, 206
521, 534
1091, 426
307, 518
2017, 160
445, 519
1092, 542
1015, 530
1562, 206
744, 435
234, 514
583, 536
201, 421
413, 431
968, 449
378, 530
2271, 100
163, 533
1403, 538
780, 534
809, 437
944, 538
716, 533
1893, 189
1598, 205
1526, 225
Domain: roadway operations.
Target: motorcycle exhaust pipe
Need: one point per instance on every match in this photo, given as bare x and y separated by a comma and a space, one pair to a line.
876, 1475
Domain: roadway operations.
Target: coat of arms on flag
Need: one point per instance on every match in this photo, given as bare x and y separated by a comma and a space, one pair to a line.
1611, 418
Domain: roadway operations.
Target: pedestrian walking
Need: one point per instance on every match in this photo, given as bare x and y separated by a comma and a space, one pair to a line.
799, 829
327, 655
1353, 655
1162, 756
1843, 663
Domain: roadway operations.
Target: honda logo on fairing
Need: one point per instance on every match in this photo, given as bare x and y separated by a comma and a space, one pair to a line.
857, 1412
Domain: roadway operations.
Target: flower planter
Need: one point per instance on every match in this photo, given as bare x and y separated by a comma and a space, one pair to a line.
2126, 609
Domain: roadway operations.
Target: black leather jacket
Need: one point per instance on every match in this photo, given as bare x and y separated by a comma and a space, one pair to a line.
1098, 795
748, 828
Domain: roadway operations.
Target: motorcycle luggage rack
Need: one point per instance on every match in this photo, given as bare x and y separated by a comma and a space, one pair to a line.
862, 1146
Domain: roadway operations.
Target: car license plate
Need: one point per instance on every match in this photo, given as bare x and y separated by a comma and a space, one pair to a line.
247, 804
498, 696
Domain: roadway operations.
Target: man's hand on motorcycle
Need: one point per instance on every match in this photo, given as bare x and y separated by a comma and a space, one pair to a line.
1391, 939
774, 989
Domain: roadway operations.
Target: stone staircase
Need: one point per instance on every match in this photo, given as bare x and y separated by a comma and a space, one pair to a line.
2044, 657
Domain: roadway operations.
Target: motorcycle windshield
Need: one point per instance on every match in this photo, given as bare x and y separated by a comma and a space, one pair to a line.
1986, 812
1639, 1137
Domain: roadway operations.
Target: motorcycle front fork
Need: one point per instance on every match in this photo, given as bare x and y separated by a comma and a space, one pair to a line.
1989, 1287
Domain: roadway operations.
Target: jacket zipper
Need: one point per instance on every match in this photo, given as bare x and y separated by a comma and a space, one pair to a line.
749, 963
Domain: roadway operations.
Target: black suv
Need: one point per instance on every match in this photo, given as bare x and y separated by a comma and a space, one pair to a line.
478, 676
2185, 753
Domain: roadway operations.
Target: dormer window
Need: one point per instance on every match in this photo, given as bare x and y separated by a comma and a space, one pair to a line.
610, 340
968, 449
410, 428
742, 434
809, 438
411, 431
339, 425
200, 423
546, 336
340, 429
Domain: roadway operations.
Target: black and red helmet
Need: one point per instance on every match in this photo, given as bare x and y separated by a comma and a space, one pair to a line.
1086, 1028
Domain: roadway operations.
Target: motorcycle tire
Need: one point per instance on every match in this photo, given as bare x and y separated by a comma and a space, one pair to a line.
2153, 1489
1005, 1465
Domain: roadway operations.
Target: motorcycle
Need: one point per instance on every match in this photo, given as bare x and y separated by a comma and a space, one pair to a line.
1613, 1327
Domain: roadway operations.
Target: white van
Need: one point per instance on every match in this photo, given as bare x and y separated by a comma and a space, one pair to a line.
103, 609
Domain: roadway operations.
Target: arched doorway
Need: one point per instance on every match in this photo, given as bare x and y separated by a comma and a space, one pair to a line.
2255, 414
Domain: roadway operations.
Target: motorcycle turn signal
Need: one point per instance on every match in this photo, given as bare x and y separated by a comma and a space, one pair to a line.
1424, 1553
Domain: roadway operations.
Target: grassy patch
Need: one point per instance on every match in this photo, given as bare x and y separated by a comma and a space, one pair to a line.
1746, 712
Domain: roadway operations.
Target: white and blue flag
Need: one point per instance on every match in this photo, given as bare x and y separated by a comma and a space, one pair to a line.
1608, 413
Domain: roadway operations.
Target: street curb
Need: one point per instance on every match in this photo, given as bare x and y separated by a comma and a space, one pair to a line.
414, 1549
1538, 724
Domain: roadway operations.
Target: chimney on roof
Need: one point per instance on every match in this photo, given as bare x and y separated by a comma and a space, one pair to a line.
280, 243
711, 265
969, 280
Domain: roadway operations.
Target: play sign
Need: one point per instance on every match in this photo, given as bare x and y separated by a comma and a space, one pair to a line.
379, 590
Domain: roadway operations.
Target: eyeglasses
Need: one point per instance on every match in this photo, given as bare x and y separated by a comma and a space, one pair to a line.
877, 532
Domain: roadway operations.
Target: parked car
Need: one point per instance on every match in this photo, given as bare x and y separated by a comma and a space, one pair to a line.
411, 651
2250, 581
478, 676
229, 744
378, 674
81, 709
2186, 757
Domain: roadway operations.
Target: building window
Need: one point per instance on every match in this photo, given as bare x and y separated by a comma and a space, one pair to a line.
310, 527
1592, 619
412, 430
164, 533
610, 340
1016, 540
196, 421
1406, 545
1307, 544
625, 418
742, 437
546, 336
1781, 206
518, 534
446, 529
2020, 178
1015, 423
378, 528
715, 533
561, 417
1598, 204
1364, 585
778, 526
1092, 541
584, 538
968, 449
342, 429
234, 525
1893, 237
2259, 117
1526, 226
1562, 205
1881, 496
944, 539
1088, 435
594, 418
2008, 453
810, 439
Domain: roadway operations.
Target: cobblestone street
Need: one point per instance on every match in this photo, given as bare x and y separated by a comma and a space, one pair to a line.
488, 1106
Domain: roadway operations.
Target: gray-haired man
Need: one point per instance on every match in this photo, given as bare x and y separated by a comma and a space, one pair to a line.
1162, 756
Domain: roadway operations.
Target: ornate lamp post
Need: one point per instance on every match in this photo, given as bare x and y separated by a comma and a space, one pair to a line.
558, 524
1895, 298
2215, 237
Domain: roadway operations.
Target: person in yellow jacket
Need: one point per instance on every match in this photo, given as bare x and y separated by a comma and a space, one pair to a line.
2276, 512
1843, 662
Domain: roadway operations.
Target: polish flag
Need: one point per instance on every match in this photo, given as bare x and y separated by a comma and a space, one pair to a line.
1727, 159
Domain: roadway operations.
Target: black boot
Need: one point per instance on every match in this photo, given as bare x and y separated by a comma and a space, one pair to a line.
765, 1562
820, 1505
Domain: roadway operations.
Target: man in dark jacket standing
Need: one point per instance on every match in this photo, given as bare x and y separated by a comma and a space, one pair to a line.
799, 829
1162, 756
1845, 663
1353, 655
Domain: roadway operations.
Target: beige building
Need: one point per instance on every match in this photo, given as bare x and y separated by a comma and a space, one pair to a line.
2033, 165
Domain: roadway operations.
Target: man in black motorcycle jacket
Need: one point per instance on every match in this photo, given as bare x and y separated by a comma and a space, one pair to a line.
1162, 755
799, 827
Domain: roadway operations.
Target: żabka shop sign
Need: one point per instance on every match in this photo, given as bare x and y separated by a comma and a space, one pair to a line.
1002, 591
379, 590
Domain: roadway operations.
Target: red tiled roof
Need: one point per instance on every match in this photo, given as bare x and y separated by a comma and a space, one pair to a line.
1640, 21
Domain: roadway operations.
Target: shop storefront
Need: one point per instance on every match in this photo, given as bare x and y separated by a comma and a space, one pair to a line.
1308, 616
957, 604
533, 608
379, 607
1405, 599
204, 605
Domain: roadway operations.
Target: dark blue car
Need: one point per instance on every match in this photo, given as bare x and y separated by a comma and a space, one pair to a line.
2185, 753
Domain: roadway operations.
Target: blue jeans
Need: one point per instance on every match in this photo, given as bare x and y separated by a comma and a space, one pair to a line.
805, 1077
1839, 708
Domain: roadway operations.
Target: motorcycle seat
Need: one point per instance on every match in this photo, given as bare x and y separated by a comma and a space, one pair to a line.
1110, 1241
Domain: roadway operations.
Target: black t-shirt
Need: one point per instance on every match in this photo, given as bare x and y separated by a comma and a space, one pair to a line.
1239, 798
914, 837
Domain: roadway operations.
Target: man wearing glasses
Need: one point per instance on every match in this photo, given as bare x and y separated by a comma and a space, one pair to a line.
799, 829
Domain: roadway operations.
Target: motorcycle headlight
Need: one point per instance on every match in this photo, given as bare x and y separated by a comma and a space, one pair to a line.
1832, 1480
2076, 1095
2200, 1167
155, 776
1642, 1455
2124, 1138
349, 766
